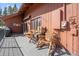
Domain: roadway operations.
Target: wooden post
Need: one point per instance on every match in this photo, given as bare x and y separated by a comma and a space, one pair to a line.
64, 11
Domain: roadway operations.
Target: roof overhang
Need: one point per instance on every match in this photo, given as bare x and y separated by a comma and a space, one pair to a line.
9, 16
24, 7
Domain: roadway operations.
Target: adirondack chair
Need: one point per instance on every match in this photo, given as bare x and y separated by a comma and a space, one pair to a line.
41, 38
29, 34
49, 39
53, 42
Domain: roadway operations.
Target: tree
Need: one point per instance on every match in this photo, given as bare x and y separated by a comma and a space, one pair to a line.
1, 22
0, 11
10, 11
15, 8
5, 11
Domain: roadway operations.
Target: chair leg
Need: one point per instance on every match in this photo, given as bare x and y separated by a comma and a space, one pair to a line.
30, 41
51, 50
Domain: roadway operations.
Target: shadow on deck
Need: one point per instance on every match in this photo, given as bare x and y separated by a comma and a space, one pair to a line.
9, 47
18, 45
31, 50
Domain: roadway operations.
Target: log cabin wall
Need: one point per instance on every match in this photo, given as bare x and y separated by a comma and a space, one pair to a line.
14, 23
70, 41
45, 11
51, 17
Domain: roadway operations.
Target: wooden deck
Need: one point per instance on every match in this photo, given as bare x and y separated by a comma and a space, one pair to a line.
29, 49
9, 47
20, 46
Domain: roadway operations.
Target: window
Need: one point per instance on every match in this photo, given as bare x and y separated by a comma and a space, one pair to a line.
36, 23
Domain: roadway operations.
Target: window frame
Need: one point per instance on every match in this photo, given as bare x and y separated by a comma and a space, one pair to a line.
35, 22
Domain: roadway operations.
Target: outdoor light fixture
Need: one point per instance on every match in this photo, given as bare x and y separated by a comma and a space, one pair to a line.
64, 24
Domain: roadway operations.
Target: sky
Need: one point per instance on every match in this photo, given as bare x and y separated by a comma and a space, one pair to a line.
2, 5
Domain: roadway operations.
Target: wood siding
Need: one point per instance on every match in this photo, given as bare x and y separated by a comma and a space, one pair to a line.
51, 17
9, 21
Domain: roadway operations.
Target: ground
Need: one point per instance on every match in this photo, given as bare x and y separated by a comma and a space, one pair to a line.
18, 45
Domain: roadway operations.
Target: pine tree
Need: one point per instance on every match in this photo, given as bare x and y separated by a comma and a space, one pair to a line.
15, 8
1, 22
10, 11
0, 11
5, 11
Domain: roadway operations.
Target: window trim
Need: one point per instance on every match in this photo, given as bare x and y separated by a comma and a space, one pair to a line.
35, 18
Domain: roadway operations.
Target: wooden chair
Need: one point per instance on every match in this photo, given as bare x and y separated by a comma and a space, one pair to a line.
29, 35
50, 39
53, 41
41, 38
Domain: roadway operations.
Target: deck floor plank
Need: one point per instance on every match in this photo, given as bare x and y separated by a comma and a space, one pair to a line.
10, 52
19, 53
9, 47
1, 42
2, 52
6, 52
15, 53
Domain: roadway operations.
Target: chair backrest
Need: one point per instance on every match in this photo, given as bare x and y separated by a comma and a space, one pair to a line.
43, 30
50, 36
